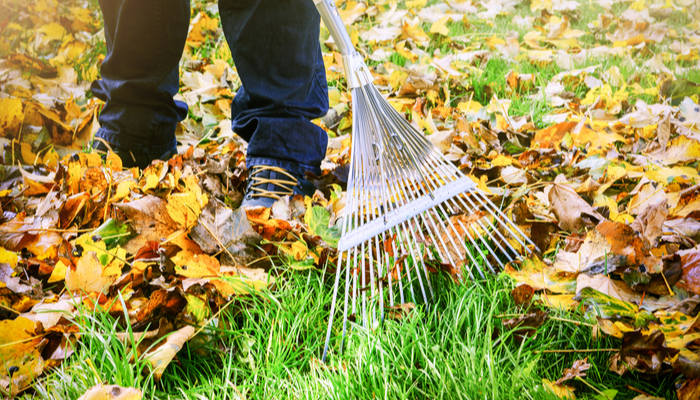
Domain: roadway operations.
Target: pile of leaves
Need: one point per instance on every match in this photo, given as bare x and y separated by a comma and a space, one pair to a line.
581, 118
159, 247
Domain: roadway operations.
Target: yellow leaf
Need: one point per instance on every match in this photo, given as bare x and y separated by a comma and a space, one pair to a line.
164, 354
123, 190
59, 272
404, 52
501, 161
53, 31
245, 281
536, 5
191, 265
469, 107
535, 273
11, 116
561, 391
495, 41
184, 208
8, 257
111, 392
412, 4
88, 275
397, 79
560, 301
197, 307
638, 5
19, 348
665, 175
440, 26
416, 33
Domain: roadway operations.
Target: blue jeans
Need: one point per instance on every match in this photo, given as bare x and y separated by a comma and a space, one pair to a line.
275, 48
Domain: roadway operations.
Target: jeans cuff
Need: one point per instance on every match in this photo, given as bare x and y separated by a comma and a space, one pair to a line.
295, 168
119, 140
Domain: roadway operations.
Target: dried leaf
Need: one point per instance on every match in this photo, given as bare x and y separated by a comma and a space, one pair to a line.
111, 392
160, 357
571, 210
578, 369
149, 217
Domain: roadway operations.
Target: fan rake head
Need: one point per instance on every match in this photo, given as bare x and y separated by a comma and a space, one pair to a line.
408, 211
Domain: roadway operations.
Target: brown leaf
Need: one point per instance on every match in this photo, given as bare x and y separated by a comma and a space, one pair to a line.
220, 225
688, 363
399, 311
571, 210
552, 136
690, 390
624, 241
72, 207
169, 302
641, 353
32, 65
578, 368
526, 324
690, 263
649, 223
149, 218
522, 294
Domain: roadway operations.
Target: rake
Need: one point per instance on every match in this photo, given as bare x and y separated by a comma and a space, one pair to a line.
408, 209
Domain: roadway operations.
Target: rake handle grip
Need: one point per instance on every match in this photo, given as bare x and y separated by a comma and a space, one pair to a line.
331, 18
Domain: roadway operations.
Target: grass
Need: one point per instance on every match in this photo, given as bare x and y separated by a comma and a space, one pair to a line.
268, 345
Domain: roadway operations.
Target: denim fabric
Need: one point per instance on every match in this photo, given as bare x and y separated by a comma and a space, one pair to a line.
275, 48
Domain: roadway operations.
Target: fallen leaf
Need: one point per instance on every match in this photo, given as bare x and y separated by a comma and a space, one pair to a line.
522, 294
89, 275
149, 217
690, 262
571, 210
219, 225
641, 353
560, 391
111, 392
160, 357
689, 390
399, 311
578, 369
192, 265
20, 359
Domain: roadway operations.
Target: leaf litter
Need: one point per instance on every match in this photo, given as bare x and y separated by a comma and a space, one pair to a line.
603, 177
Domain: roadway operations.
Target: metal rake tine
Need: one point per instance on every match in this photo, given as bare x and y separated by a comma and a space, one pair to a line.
497, 231
395, 175
485, 242
505, 221
332, 311
453, 204
388, 179
412, 231
484, 258
433, 186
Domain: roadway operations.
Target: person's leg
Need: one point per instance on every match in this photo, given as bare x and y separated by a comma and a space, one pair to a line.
145, 40
275, 47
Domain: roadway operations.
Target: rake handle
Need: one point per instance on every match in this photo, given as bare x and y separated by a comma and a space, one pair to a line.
331, 18
356, 71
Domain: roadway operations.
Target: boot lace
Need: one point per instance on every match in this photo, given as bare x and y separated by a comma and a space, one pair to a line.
257, 183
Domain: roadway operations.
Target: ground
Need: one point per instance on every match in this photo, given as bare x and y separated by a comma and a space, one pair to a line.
579, 118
